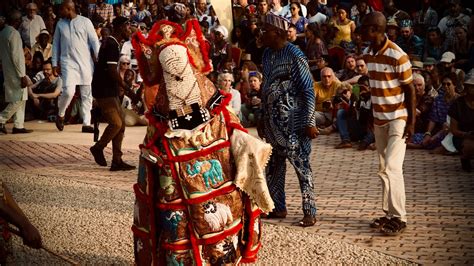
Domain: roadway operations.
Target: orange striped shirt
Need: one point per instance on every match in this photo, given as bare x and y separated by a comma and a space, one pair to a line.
389, 69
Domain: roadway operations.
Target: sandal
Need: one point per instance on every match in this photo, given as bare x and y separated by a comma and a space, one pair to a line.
307, 220
379, 222
394, 227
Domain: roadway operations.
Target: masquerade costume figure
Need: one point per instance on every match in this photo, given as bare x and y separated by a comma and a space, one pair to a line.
201, 186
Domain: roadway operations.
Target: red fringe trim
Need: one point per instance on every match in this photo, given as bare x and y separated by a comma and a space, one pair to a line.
140, 233
194, 24
174, 207
215, 193
140, 195
226, 233
176, 247
187, 157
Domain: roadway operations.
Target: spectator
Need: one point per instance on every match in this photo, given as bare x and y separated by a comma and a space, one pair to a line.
131, 117
297, 18
315, 47
360, 70
31, 25
142, 13
365, 114
409, 42
437, 129
43, 45
462, 125
361, 10
128, 10
255, 47
221, 49
101, 12
49, 18
36, 65
75, 46
359, 45
243, 85
416, 66
106, 85
349, 68
293, 38
394, 118
124, 65
44, 91
425, 18
435, 44
393, 31
424, 102
240, 37
225, 81
205, 11
447, 24
315, 13
262, 8
318, 64
461, 48
14, 73
252, 108
276, 7
286, 11
288, 124
345, 28
429, 64
448, 66
393, 13
345, 115
324, 91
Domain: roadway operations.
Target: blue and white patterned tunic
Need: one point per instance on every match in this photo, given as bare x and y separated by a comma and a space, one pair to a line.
288, 103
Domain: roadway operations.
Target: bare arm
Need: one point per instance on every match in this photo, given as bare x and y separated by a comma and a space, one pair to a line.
10, 210
410, 103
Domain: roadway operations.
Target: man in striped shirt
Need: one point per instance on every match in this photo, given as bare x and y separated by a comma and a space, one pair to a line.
393, 103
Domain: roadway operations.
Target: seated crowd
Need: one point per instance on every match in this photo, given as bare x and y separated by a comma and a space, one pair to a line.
438, 36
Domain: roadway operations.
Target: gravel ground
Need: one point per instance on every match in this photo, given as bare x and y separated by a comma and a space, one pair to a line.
91, 225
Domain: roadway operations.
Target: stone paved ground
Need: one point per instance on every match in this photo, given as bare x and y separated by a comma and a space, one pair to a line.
440, 198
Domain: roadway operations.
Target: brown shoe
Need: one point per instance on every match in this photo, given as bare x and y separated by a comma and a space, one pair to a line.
21, 130
344, 145
98, 154
363, 146
60, 123
275, 214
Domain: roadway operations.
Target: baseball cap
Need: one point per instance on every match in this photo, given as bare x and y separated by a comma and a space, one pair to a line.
447, 57
417, 64
429, 61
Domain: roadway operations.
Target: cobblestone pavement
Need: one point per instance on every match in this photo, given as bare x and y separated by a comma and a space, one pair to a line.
440, 198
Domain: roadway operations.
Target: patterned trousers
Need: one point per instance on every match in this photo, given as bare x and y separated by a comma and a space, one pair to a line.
298, 156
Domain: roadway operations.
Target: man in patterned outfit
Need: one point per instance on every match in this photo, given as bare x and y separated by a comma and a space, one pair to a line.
288, 122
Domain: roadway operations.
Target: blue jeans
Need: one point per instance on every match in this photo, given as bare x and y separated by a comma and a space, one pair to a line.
341, 123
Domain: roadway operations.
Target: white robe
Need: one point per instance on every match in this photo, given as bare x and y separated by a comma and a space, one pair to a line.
30, 29
74, 43
13, 63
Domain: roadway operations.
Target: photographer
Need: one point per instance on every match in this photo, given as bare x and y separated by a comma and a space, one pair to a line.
252, 108
345, 114
325, 90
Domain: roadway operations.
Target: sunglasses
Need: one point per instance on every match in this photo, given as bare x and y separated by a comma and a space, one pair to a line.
125, 63
447, 83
